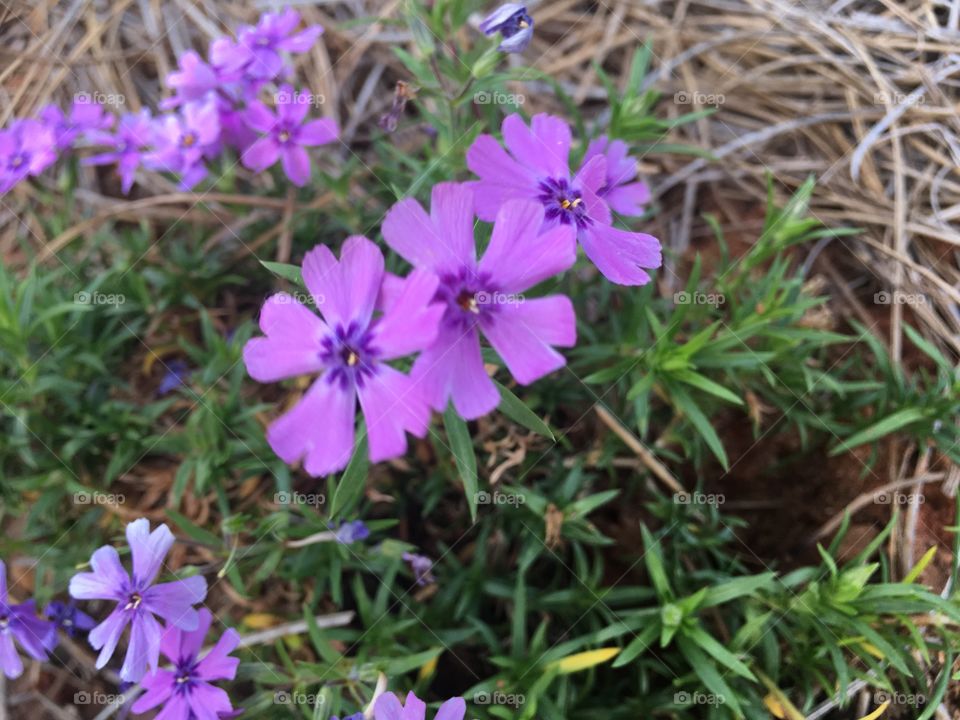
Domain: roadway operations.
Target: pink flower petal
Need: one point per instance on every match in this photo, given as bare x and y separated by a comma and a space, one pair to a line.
292, 344
621, 256
518, 256
411, 320
524, 335
319, 428
392, 406
452, 368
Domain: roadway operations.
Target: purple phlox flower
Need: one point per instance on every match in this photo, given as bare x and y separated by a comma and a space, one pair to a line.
177, 373
514, 24
257, 50
85, 116
537, 168
182, 141
20, 622
68, 617
27, 147
355, 716
186, 690
352, 531
389, 707
422, 567
348, 349
285, 135
193, 80
621, 191
138, 598
128, 144
485, 297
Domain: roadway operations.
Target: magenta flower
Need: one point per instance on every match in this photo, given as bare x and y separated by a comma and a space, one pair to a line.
486, 296
182, 142
127, 146
192, 81
285, 135
621, 191
257, 50
537, 168
186, 691
514, 24
20, 622
389, 707
27, 147
138, 599
348, 349
84, 116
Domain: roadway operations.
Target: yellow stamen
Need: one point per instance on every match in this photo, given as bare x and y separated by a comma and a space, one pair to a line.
565, 204
352, 358
189, 140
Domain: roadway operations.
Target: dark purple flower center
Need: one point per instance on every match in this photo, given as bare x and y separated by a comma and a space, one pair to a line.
349, 355
563, 202
134, 601
467, 295
4, 622
516, 23
18, 160
185, 675
283, 136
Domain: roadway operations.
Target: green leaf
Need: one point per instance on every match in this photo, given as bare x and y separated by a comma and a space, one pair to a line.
351, 485
194, 532
702, 424
285, 271
737, 588
719, 653
892, 423
515, 409
461, 445
707, 385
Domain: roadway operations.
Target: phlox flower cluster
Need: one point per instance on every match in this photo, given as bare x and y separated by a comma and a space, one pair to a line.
216, 103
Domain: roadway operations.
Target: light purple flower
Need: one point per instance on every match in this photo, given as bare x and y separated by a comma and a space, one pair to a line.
514, 24
138, 599
353, 531
486, 296
422, 567
20, 622
621, 191
193, 80
27, 147
257, 50
186, 691
128, 145
68, 617
84, 116
389, 707
537, 168
182, 141
285, 135
348, 349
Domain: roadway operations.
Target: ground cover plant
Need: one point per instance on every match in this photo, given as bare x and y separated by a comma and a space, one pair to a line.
385, 361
